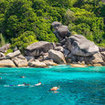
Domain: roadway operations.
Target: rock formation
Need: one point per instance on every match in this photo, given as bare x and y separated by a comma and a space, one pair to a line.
75, 50
80, 46
7, 63
38, 48
57, 56
61, 31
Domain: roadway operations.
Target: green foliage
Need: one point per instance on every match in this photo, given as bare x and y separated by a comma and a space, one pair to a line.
24, 40
9, 51
62, 3
87, 24
69, 16
23, 22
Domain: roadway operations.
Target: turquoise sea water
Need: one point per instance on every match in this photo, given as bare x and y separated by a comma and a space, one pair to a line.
78, 86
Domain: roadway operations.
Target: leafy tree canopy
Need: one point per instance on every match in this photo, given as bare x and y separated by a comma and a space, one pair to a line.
23, 22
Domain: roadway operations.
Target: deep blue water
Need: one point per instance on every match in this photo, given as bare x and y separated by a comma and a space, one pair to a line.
78, 86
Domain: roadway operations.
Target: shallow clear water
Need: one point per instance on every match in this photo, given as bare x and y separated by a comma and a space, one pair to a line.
78, 86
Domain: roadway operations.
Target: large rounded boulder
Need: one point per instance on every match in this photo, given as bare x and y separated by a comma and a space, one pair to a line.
57, 56
38, 48
80, 46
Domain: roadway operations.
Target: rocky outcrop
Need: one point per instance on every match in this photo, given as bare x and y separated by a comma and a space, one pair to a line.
59, 48
97, 58
17, 58
80, 46
57, 56
20, 61
29, 58
14, 54
38, 48
7, 63
61, 31
37, 63
56, 24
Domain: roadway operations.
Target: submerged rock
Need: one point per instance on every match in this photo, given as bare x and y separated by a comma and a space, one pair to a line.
38, 48
57, 56
7, 63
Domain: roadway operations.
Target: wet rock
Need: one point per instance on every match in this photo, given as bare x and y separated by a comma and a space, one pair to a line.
57, 56
7, 63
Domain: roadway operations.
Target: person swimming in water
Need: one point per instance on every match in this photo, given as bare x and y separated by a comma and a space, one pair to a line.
38, 84
21, 85
24, 84
54, 88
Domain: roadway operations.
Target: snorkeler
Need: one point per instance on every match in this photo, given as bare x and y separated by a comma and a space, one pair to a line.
54, 88
24, 84
21, 85
38, 84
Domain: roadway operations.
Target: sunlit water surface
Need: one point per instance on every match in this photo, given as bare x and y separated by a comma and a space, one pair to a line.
78, 86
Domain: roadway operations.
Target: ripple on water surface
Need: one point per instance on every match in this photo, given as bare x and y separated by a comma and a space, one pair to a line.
78, 86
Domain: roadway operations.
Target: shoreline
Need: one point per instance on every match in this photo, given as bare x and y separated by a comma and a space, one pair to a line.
71, 66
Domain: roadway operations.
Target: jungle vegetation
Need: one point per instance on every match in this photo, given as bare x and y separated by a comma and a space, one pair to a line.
23, 22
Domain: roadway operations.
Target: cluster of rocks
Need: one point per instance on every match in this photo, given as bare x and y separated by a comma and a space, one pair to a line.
14, 59
36, 55
75, 50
